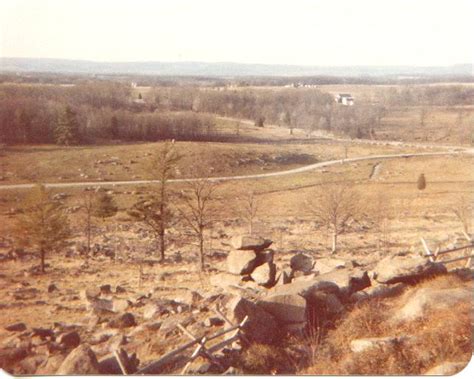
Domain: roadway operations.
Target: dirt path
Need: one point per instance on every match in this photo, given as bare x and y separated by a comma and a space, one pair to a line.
240, 177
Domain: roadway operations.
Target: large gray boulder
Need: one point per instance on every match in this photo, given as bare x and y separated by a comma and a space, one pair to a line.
405, 268
80, 361
250, 242
287, 308
260, 327
241, 262
301, 262
417, 303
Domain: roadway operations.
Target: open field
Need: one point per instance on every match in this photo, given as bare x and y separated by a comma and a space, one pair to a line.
392, 216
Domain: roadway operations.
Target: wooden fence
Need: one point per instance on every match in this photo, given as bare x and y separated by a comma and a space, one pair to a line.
202, 348
433, 256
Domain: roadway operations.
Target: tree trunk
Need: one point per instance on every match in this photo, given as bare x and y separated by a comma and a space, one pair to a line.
201, 249
42, 254
162, 244
88, 235
334, 242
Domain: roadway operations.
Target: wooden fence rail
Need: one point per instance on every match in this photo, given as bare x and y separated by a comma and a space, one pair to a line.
200, 350
433, 256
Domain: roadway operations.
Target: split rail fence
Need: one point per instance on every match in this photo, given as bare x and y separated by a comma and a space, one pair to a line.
433, 256
202, 349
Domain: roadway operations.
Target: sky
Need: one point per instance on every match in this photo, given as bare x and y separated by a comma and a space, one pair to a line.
303, 32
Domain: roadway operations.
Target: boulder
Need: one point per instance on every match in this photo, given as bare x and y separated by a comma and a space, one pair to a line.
69, 340
379, 291
125, 320
417, 303
80, 361
261, 327
325, 265
9, 357
348, 280
287, 308
241, 262
51, 365
301, 262
322, 306
30, 364
404, 268
52, 287
265, 274
364, 344
447, 368
17, 327
249, 242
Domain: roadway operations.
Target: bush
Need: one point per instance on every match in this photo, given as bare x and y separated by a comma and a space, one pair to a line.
421, 183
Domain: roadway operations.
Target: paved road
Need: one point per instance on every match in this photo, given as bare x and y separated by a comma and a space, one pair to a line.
238, 177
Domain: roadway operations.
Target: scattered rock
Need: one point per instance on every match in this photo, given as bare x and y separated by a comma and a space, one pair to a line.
363, 344
106, 289
301, 262
80, 361
404, 268
18, 327
125, 320
213, 321
120, 289
52, 287
69, 340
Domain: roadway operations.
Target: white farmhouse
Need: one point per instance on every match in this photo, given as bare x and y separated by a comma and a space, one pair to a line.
344, 99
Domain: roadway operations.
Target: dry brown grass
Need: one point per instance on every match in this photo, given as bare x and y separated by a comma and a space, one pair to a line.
442, 335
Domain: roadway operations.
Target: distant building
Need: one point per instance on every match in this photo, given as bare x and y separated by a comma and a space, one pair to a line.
133, 84
344, 99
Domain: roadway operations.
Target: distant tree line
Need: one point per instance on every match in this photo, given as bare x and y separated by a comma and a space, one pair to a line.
98, 111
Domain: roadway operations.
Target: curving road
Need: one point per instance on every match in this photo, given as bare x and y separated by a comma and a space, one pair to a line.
238, 177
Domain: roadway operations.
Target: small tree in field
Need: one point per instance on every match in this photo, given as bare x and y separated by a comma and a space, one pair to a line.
197, 211
421, 183
104, 206
463, 210
335, 207
249, 210
155, 211
43, 225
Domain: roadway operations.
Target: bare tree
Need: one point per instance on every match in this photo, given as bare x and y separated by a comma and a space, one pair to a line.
155, 211
335, 207
463, 210
196, 210
381, 212
249, 210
